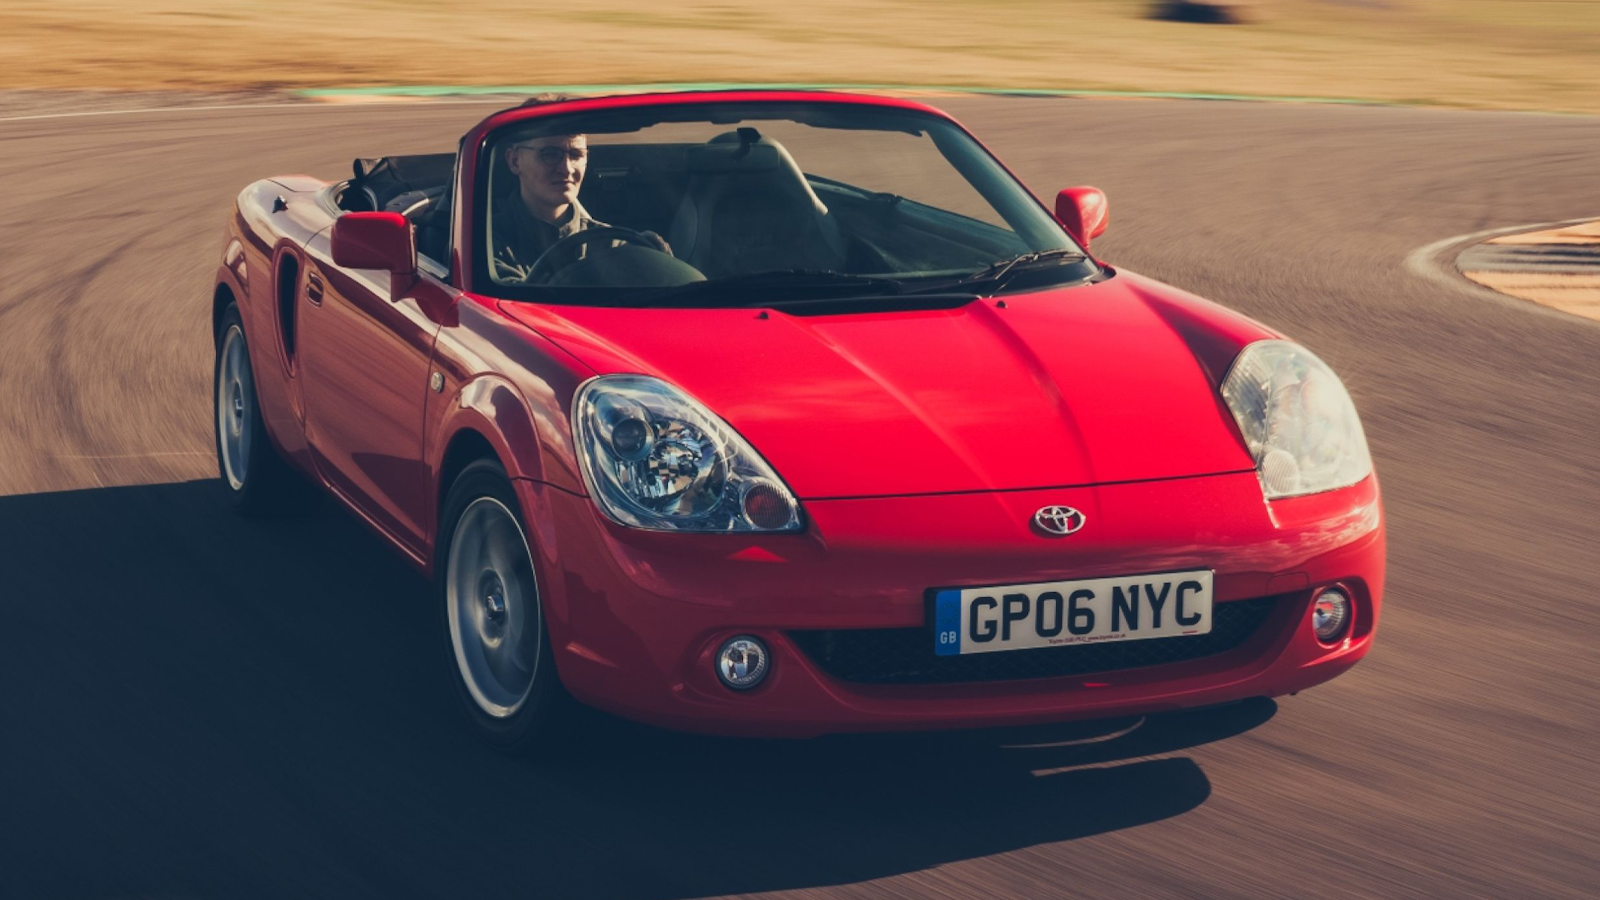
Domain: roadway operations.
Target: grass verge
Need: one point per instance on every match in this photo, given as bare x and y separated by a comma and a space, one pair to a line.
1497, 54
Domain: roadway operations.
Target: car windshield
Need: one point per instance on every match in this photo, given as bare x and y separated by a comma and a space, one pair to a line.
738, 203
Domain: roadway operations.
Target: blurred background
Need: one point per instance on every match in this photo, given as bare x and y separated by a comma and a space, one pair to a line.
1496, 54
197, 705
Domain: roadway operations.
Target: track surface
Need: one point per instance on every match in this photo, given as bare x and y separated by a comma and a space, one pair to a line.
197, 706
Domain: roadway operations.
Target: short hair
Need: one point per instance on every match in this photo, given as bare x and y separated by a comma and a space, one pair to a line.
541, 99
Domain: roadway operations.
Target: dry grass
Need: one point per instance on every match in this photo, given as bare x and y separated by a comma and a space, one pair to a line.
1528, 54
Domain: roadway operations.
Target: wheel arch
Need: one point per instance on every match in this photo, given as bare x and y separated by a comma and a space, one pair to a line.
486, 419
220, 301
472, 439
221, 298
466, 446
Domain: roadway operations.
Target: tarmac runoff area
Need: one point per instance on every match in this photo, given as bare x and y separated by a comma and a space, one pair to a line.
1558, 267
245, 709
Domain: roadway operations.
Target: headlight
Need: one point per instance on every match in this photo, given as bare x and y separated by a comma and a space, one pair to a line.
655, 458
1297, 419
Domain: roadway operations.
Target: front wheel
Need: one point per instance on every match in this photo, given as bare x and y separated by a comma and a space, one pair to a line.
493, 621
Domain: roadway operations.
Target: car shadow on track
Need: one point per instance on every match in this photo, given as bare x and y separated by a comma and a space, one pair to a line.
199, 705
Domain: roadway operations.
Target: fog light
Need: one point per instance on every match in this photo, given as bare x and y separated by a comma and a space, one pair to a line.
1330, 613
742, 663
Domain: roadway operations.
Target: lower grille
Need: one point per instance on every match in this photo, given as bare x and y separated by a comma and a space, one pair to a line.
906, 655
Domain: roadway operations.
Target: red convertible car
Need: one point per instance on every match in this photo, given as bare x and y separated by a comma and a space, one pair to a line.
788, 413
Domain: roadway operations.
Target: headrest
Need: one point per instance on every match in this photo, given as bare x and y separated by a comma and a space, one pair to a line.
725, 158
747, 151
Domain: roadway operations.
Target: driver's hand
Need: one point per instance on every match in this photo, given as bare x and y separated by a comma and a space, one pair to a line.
509, 272
659, 241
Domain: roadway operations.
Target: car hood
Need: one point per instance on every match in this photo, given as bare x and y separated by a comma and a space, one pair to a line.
1108, 382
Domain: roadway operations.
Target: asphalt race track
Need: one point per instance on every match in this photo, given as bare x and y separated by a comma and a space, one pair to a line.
192, 705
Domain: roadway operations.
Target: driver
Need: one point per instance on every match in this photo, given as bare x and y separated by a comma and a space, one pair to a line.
544, 208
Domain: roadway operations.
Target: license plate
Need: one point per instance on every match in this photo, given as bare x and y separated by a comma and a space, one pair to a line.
1061, 613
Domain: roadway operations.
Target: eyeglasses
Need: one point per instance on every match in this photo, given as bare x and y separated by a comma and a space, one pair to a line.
553, 155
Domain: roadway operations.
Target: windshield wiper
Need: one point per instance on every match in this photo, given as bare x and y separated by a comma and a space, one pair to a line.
998, 272
998, 269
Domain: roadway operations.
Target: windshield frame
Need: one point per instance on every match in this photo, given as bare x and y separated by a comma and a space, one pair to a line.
489, 135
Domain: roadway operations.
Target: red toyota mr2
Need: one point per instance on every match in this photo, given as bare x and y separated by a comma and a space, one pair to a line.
782, 414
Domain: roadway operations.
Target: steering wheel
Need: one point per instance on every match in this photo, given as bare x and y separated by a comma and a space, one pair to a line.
564, 253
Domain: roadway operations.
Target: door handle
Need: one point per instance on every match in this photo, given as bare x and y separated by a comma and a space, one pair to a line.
314, 288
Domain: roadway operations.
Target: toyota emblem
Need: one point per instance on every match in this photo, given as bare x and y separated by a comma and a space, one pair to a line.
1059, 520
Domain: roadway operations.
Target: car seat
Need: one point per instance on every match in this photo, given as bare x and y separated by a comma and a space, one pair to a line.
748, 208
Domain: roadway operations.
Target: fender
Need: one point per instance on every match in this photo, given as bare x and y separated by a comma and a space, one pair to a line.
233, 270
233, 264
237, 284
1214, 333
522, 414
494, 408
275, 391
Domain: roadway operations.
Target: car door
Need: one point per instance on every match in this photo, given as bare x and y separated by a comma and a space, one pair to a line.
367, 346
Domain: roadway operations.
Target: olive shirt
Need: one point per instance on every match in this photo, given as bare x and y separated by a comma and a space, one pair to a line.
520, 237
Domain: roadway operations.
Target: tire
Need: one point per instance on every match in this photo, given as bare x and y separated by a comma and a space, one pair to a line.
496, 645
256, 479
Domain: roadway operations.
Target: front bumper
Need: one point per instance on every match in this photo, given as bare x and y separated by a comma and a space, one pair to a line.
635, 617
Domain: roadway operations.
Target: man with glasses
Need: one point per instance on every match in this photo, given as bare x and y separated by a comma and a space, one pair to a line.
544, 208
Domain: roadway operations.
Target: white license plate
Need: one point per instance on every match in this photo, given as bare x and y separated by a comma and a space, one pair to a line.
1059, 613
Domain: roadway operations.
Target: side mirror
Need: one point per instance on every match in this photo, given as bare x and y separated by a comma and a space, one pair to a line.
374, 240
1084, 212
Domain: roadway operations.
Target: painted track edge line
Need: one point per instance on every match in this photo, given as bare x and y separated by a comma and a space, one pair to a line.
1429, 262
445, 90
481, 94
298, 104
